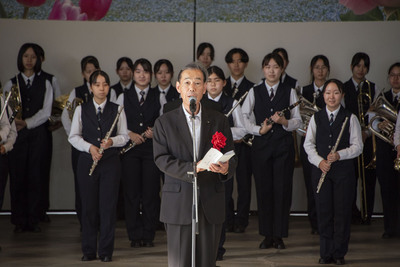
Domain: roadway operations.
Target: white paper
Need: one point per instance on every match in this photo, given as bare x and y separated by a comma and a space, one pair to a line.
214, 156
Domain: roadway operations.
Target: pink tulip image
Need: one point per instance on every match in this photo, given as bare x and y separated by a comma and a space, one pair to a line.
95, 9
31, 3
65, 10
362, 6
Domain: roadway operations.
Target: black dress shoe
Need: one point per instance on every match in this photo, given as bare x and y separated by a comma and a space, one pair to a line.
386, 235
339, 261
18, 229
278, 243
239, 229
106, 258
136, 244
266, 243
220, 257
148, 244
88, 258
325, 260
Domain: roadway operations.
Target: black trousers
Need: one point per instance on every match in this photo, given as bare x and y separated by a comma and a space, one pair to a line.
26, 181
78, 202
307, 166
389, 181
99, 194
333, 204
141, 182
3, 177
273, 165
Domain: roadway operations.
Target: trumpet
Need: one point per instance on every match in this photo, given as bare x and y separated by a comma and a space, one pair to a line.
132, 144
108, 134
323, 175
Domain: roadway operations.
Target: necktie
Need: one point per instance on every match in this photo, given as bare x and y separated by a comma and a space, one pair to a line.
163, 99
235, 89
123, 90
319, 92
271, 95
98, 113
28, 83
331, 120
396, 100
142, 93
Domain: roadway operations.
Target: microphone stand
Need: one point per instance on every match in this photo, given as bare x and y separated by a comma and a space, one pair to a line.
195, 210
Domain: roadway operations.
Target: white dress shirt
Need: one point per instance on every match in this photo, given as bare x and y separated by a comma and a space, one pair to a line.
355, 148
4, 124
163, 97
44, 113
239, 129
66, 121
75, 136
248, 106
197, 125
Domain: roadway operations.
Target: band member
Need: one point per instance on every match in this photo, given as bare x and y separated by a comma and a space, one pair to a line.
236, 86
388, 177
99, 192
48, 150
360, 100
8, 135
205, 54
25, 161
83, 94
140, 175
173, 154
337, 191
319, 69
125, 74
285, 78
272, 149
215, 84
163, 72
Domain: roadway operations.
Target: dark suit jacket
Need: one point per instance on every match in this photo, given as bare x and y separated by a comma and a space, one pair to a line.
173, 155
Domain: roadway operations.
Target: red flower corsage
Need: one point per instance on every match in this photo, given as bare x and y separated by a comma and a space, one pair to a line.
218, 141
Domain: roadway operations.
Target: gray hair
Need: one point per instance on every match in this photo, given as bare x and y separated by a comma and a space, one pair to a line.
194, 66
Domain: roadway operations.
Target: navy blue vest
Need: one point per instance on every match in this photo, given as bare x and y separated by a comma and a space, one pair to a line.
32, 98
351, 97
118, 89
289, 81
94, 131
265, 108
244, 86
308, 93
83, 93
326, 136
227, 103
141, 117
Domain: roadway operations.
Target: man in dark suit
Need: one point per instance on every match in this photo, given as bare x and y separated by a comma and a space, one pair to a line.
173, 154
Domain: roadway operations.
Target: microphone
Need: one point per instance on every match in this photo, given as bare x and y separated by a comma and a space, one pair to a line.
192, 101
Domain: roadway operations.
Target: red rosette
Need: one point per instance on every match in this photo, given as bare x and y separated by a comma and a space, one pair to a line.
218, 140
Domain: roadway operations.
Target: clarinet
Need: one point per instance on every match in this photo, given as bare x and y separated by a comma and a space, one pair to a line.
131, 145
322, 178
281, 113
108, 134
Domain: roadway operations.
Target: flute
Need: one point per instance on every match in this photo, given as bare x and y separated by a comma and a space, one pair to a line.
131, 144
322, 178
108, 134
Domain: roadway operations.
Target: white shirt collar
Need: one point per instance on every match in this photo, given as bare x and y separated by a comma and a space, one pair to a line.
26, 77
356, 84
216, 99
146, 90
126, 86
238, 82
274, 87
316, 88
102, 105
165, 90
188, 115
335, 112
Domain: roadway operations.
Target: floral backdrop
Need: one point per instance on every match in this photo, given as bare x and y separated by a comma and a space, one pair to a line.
206, 10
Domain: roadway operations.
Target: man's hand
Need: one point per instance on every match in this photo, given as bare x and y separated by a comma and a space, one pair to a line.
220, 167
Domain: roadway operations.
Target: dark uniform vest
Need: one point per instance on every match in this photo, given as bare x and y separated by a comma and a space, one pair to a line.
265, 108
32, 98
351, 97
289, 81
227, 102
326, 136
93, 131
244, 86
139, 117
308, 93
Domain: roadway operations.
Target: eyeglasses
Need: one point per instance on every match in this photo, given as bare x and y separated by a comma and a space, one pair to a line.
392, 76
